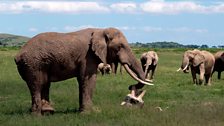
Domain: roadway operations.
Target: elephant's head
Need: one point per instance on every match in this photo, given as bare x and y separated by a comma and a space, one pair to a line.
110, 45
191, 57
149, 58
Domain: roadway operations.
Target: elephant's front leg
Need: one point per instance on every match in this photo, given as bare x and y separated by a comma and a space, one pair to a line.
152, 73
193, 73
208, 79
86, 87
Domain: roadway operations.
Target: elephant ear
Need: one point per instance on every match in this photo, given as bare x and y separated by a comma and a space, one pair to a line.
156, 58
99, 45
198, 59
143, 59
143, 56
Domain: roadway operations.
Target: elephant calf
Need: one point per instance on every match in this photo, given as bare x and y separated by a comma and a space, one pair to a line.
104, 69
219, 63
149, 62
200, 62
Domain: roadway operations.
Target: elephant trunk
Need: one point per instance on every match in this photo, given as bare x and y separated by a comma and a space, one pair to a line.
148, 62
136, 72
146, 69
185, 65
133, 75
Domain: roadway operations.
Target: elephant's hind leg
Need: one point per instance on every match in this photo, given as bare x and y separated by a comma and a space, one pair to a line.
35, 90
46, 106
35, 81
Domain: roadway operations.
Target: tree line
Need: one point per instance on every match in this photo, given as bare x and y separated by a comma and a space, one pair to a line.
171, 45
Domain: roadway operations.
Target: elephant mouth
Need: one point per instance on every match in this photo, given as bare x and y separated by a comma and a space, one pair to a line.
134, 76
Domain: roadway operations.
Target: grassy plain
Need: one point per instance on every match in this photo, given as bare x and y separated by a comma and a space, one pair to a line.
183, 103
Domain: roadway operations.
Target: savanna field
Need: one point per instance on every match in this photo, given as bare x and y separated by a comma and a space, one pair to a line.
182, 103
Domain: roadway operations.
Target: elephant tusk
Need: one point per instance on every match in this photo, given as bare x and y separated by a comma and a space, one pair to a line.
178, 69
147, 80
185, 67
134, 76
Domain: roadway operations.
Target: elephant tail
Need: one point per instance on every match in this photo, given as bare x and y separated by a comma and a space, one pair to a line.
21, 65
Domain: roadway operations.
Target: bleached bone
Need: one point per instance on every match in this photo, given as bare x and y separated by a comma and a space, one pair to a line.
159, 108
142, 94
130, 97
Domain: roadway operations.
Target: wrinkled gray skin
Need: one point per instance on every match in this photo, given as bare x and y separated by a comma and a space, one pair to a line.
149, 61
219, 63
104, 69
51, 57
200, 62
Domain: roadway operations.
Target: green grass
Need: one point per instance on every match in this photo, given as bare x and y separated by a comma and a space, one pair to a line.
183, 103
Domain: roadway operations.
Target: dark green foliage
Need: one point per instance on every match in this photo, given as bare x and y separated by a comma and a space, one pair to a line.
170, 45
8, 40
183, 103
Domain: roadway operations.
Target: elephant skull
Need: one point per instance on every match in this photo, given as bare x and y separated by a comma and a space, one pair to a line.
134, 98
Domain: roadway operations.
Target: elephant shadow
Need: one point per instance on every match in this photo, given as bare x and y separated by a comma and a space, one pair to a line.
67, 111
27, 112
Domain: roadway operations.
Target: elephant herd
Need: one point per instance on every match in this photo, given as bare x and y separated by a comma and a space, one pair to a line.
199, 62
202, 62
51, 57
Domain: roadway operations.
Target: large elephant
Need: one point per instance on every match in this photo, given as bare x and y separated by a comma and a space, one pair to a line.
200, 62
149, 61
219, 63
51, 57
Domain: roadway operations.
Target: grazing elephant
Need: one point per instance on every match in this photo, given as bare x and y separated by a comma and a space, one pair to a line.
51, 57
219, 63
104, 69
200, 62
149, 62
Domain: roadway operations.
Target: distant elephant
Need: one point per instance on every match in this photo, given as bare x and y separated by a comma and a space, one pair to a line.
114, 67
219, 63
104, 69
200, 62
51, 57
149, 61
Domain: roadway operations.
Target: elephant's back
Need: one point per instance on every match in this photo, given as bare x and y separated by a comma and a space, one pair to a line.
208, 55
218, 54
46, 40
45, 48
